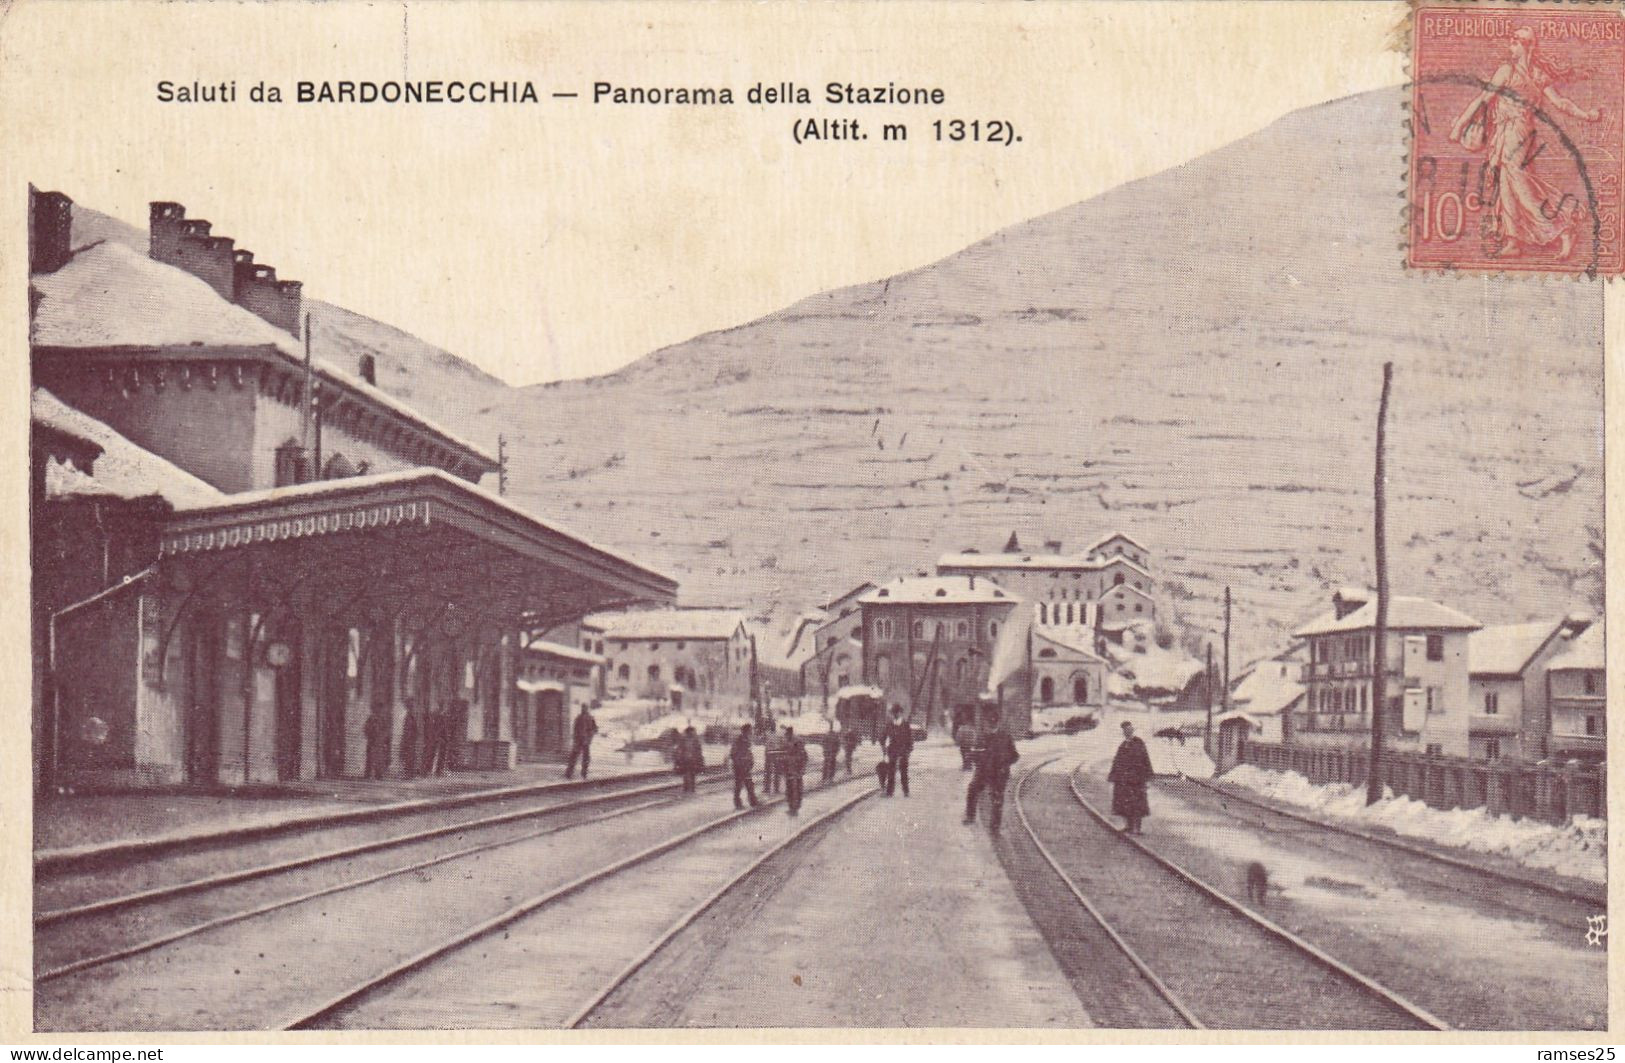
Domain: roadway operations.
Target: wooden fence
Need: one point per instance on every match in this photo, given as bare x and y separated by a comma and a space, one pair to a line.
1552, 794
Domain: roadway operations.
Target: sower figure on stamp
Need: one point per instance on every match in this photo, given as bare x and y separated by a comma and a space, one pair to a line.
1131, 772
1501, 121
581, 742
793, 764
898, 743
994, 756
376, 730
743, 761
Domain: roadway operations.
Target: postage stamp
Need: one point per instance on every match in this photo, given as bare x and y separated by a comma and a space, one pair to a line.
1518, 139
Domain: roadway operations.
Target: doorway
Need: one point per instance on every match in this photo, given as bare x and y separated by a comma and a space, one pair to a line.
204, 646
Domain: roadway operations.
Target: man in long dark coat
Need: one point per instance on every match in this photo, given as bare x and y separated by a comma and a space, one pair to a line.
898, 743
793, 765
743, 760
994, 755
581, 743
1131, 771
690, 758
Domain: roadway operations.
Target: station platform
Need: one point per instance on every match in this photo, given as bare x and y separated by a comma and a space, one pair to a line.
77, 824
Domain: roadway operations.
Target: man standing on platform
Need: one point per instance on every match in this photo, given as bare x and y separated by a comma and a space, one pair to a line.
772, 757
832, 751
1131, 772
793, 763
744, 762
995, 754
898, 743
376, 730
581, 742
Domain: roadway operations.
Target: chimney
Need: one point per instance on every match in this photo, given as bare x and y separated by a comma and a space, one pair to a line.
369, 369
50, 230
188, 244
1052, 545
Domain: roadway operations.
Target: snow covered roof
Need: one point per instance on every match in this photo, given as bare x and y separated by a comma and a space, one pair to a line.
1404, 614
1585, 653
1506, 649
352, 484
860, 692
937, 590
124, 470
835, 603
1270, 687
1037, 562
1098, 543
534, 686
111, 295
696, 624
1077, 642
559, 649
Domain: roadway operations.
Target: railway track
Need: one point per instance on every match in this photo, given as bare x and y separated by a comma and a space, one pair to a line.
1587, 901
134, 923
1208, 959
356, 1005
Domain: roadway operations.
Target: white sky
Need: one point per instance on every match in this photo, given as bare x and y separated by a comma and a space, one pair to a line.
566, 239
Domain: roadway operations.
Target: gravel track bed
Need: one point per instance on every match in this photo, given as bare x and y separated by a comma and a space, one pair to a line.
1229, 972
1456, 951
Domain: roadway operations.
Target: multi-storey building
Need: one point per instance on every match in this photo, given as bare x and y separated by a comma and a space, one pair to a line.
1577, 693
241, 552
1426, 683
1107, 585
933, 644
1510, 715
697, 658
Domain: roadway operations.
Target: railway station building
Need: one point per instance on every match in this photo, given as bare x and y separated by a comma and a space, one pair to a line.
554, 683
1107, 585
934, 644
241, 551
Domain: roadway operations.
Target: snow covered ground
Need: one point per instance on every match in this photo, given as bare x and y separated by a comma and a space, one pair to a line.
1578, 849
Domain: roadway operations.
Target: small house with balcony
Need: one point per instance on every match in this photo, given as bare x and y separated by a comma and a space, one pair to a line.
1426, 686
1509, 716
1577, 692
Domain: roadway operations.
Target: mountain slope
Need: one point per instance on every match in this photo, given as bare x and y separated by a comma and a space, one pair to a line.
1193, 358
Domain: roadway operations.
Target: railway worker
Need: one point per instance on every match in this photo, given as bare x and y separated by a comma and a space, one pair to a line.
1131, 771
898, 743
743, 761
793, 763
995, 754
581, 742
376, 730
690, 757
969, 738
832, 750
411, 758
849, 742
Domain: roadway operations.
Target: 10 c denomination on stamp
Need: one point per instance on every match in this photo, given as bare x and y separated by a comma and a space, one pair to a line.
1518, 139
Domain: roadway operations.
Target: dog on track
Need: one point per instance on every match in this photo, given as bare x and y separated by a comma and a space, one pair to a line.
1258, 883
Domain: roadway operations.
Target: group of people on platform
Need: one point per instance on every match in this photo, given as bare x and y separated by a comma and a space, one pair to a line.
426, 739
986, 750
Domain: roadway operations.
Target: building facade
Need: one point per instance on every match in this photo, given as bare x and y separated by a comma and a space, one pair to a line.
1066, 670
1426, 683
1106, 585
1577, 692
553, 683
934, 644
1510, 715
694, 658
276, 551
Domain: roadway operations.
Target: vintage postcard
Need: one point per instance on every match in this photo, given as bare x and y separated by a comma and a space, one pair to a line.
1077, 522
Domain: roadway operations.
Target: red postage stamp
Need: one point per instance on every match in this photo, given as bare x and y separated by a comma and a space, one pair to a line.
1518, 139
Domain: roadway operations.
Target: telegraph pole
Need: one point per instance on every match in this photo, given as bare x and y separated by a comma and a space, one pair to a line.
1226, 694
1379, 650
502, 465
1207, 739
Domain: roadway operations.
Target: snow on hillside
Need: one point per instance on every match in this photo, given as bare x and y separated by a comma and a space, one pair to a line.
1125, 363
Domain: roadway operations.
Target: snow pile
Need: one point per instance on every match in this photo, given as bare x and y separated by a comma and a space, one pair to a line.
1578, 848
1141, 668
122, 470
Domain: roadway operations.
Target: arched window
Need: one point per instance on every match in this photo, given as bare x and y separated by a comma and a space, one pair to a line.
1043, 613
1046, 653
625, 672
654, 673
964, 629
1080, 689
1069, 614
1046, 690
919, 629
992, 629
